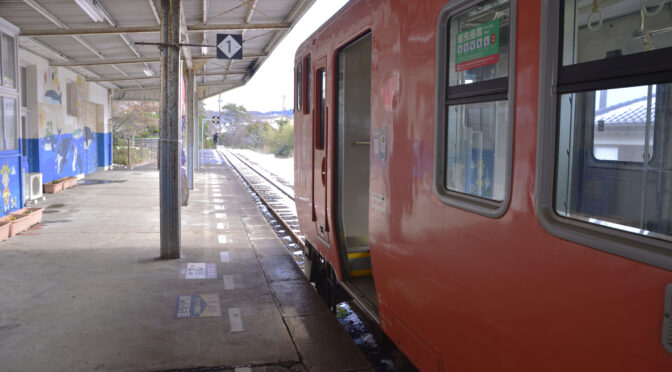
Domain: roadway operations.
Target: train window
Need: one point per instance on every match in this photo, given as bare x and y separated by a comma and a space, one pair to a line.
322, 90
475, 124
605, 164
597, 30
299, 85
479, 44
308, 83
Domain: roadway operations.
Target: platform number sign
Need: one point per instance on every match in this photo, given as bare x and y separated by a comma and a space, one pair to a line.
229, 46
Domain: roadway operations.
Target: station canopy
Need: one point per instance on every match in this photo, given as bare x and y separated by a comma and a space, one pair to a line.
102, 39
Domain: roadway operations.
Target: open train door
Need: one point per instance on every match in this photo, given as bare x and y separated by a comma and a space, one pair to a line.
320, 150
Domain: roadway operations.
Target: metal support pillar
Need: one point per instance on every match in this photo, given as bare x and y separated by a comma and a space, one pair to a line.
195, 125
169, 171
190, 80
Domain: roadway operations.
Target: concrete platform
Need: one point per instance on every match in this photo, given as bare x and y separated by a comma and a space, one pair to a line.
85, 290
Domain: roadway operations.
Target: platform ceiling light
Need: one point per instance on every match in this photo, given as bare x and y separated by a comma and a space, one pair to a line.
148, 72
90, 10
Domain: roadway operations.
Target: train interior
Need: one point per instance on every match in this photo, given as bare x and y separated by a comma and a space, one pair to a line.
615, 145
352, 181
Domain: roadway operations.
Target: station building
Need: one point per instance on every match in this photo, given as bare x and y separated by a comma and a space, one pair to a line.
55, 123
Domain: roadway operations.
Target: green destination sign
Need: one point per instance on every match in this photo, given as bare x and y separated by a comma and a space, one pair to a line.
477, 47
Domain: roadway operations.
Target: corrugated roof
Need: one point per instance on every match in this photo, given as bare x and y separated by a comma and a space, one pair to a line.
630, 112
33, 16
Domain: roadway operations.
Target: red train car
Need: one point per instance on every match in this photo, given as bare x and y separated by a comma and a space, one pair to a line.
492, 180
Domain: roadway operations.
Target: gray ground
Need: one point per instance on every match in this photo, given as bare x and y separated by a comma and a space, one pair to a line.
85, 290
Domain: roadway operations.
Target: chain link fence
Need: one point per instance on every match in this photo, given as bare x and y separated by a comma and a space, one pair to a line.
139, 151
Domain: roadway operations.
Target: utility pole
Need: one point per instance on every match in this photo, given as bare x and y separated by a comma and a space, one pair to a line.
219, 100
169, 172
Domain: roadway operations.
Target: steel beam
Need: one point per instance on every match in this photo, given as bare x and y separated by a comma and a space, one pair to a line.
156, 14
184, 36
104, 80
156, 87
141, 60
189, 92
169, 166
152, 29
53, 19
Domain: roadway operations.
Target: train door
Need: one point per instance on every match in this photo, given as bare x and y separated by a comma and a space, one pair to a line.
320, 141
353, 150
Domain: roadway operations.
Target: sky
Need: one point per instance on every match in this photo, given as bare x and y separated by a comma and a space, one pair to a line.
265, 91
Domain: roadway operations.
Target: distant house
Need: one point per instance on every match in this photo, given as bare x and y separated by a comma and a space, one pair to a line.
620, 130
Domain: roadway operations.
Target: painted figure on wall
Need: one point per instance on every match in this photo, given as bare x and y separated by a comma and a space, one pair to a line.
64, 149
8, 201
51, 86
88, 137
50, 140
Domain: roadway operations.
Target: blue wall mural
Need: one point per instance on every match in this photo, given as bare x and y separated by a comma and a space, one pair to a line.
65, 155
10, 177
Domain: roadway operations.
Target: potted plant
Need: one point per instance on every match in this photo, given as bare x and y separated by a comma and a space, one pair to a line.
53, 187
69, 182
29, 216
18, 224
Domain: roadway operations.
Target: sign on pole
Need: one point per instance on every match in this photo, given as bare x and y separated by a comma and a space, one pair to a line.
229, 46
215, 119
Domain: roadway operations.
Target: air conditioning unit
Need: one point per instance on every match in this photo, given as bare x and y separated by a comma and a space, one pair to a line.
35, 185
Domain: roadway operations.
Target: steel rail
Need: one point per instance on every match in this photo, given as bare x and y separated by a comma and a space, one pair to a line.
275, 214
262, 176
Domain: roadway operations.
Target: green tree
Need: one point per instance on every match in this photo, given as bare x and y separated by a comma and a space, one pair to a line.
132, 118
281, 141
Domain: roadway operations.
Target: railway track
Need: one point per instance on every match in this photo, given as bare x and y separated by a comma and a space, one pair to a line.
276, 199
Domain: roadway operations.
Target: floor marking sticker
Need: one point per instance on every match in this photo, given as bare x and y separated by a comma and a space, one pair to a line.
220, 215
219, 207
206, 212
217, 194
198, 271
229, 282
224, 256
223, 239
222, 225
197, 306
235, 319
218, 201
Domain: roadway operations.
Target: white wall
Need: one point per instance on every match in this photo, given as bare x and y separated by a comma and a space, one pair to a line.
41, 110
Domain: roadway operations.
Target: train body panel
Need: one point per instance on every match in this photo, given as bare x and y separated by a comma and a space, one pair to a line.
454, 289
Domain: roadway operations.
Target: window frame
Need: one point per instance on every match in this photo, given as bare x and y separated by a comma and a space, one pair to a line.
298, 84
565, 79
320, 109
307, 67
8, 92
486, 91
